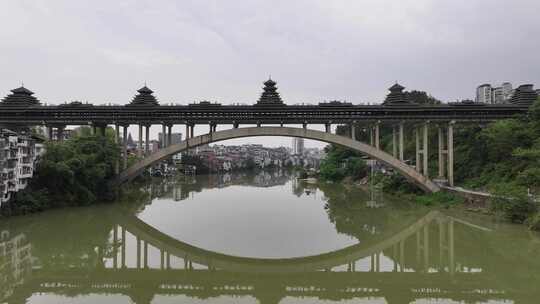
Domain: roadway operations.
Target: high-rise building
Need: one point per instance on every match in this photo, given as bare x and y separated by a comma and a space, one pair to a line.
483, 93
297, 146
497, 95
494, 95
507, 91
176, 138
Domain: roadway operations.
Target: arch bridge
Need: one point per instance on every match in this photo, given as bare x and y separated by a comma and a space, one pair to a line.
22, 109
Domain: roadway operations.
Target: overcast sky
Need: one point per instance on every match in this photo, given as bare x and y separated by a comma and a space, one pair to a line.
102, 51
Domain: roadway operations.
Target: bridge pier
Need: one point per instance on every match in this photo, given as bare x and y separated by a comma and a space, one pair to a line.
394, 142
123, 249
50, 133
450, 149
60, 133
353, 130
124, 146
139, 144
147, 141
377, 135
425, 149
169, 134
401, 153
328, 128
164, 143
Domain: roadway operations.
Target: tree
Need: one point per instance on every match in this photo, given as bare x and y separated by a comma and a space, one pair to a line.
421, 97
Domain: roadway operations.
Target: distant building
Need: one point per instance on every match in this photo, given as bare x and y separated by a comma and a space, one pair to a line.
19, 154
297, 146
507, 91
176, 138
483, 93
494, 95
497, 96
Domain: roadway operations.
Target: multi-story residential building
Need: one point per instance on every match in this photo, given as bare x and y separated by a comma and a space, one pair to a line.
494, 95
507, 91
175, 138
483, 93
297, 146
19, 154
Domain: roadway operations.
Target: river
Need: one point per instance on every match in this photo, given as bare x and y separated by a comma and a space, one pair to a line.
264, 238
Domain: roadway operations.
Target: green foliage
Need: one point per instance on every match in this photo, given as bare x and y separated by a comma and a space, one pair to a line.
70, 173
439, 198
534, 222
505, 151
421, 97
341, 162
512, 201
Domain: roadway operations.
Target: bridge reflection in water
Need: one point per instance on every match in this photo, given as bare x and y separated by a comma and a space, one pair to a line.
400, 268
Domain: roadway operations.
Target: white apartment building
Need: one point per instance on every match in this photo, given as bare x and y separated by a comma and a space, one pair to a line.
483, 93
297, 146
18, 157
494, 95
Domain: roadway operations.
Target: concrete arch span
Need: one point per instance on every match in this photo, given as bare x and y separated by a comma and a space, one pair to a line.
226, 262
412, 175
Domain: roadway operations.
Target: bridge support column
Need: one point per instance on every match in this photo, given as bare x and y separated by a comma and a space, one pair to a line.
401, 153
377, 136
328, 128
124, 148
115, 247
145, 255
425, 150
163, 137
450, 148
162, 259
353, 131
140, 147
123, 254
371, 137
102, 130
442, 153
304, 125
394, 142
187, 131
417, 139
50, 133
138, 253
169, 135
60, 133
147, 141
192, 131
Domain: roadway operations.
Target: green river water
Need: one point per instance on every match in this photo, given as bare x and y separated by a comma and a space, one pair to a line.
264, 238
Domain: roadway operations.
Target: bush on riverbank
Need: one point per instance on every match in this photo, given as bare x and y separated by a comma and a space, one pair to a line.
70, 173
340, 163
512, 202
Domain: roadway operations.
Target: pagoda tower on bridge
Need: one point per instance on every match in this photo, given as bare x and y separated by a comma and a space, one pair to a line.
270, 96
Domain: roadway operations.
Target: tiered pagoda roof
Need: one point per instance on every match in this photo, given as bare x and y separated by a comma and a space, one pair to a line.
397, 97
144, 98
270, 96
20, 96
524, 95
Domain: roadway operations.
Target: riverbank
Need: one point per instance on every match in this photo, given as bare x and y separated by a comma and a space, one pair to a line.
70, 173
